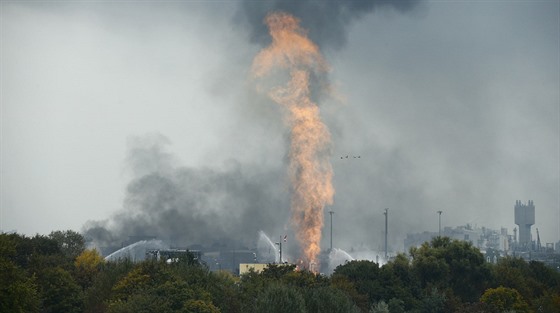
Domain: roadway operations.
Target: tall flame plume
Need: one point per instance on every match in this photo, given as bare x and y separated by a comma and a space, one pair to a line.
310, 170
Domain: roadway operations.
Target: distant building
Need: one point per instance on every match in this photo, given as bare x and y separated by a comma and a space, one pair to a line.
483, 238
228, 260
524, 218
496, 244
173, 255
245, 268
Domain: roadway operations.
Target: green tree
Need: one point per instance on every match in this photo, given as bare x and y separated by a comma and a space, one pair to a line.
401, 284
328, 300
366, 276
154, 286
18, 291
277, 271
36, 252
504, 299
59, 291
252, 284
549, 302
70, 243
532, 280
89, 260
344, 284
223, 287
305, 279
87, 265
278, 298
511, 272
199, 306
99, 293
433, 302
148, 292
43, 267
476, 307
546, 277
379, 307
396, 306
451, 264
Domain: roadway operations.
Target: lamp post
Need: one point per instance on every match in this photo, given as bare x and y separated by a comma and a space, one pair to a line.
279, 243
439, 231
331, 213
386, 213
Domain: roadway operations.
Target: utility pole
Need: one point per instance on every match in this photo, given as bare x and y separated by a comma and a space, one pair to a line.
331, 213
279, 243
439, 232
386, 230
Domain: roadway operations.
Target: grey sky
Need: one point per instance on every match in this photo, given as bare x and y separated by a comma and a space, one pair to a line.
452, 106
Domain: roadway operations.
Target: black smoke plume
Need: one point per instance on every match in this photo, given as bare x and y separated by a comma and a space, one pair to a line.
187, 206
228, 205
326, 21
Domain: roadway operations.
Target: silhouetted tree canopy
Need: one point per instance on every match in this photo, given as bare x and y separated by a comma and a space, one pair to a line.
56, 274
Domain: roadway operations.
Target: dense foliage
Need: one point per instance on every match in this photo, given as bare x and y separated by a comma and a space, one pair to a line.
56, 273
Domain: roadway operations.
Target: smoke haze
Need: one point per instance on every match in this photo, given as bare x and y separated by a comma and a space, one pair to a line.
224, 206
451, 106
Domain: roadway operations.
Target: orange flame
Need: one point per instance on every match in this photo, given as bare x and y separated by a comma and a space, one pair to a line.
310, 170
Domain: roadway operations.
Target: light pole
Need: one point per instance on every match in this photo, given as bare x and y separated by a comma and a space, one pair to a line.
279, 243
386, 213
439, 231
331, 213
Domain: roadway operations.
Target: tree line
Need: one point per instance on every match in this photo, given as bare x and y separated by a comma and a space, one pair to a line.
55, 273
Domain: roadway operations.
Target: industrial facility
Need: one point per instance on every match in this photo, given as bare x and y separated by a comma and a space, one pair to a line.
495, 244
524, 218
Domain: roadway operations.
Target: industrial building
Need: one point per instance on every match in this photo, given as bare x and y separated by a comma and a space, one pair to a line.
524, 218
495, 244
173, 255
481, 237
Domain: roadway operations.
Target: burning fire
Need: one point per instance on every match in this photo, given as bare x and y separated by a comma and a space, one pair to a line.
310, 171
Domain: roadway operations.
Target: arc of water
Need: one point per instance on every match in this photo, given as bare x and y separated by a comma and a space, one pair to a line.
270, 243
130, 250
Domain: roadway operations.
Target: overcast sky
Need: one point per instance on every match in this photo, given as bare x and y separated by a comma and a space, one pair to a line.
451, 105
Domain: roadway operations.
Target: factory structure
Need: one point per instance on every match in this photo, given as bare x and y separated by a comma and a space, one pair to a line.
495, 244
524, 219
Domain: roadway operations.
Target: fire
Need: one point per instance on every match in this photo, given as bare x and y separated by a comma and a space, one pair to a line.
310, 170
